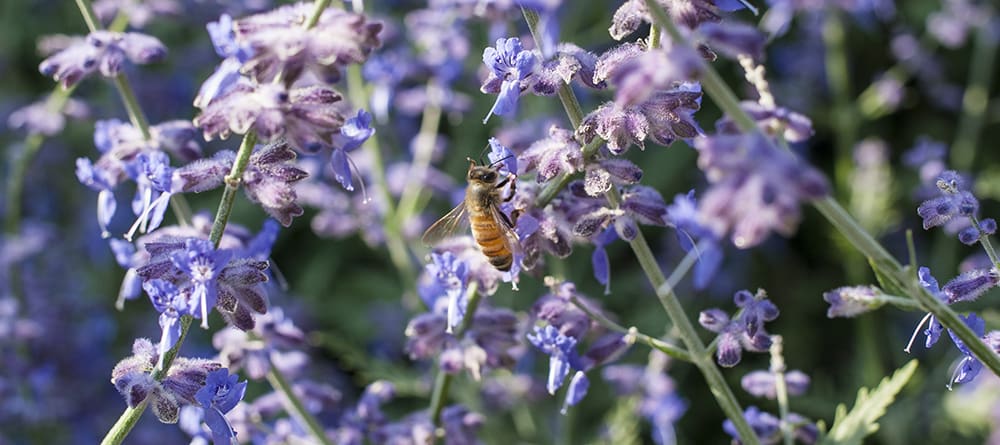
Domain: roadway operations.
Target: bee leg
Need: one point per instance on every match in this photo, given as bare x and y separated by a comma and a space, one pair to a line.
512, 180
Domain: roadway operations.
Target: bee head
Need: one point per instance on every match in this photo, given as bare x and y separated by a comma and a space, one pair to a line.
482, 173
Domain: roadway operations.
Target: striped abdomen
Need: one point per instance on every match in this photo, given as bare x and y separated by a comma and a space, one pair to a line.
488, 234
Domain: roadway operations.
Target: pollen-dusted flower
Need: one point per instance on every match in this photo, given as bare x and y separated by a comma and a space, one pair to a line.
955, 201
970, 285
221, 393
557, 154
663, 117
510, 64
270, 180
639, 74
280, 44
850, 301
133, 379
756, 188
103, 51
639, 203
306, 116
689, 13
745, 332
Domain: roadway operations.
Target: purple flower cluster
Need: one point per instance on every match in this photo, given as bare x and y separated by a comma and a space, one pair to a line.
745, 331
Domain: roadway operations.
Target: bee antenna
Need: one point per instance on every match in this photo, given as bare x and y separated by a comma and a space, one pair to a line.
500, 160
483, 153
471, 161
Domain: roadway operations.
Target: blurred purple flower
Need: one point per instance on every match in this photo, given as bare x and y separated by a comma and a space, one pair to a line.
851, 301
969, 366
561, 350
659, 402
745, 332
693, 235
103, 51
689, 13
139, 13
762, 383
40, 118
103, 182
755, 187
353, 133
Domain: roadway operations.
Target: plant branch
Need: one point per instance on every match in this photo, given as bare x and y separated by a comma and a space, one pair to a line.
443, 380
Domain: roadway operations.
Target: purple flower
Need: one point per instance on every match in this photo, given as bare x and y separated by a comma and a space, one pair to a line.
203, 265
132, 378
139, 13
154, 185
270, 181
639, 203
509, 64
103, 51
103, 182
257, 351
561, 350
955, 201
755, 187
557, 154
745, 332
689, 13
762, 383
171, 304
306, 116
692, 234
851, 301
663, 117
41, 117
599, 259
449, 277
576, 391
355, 132
280, 44
500, 154
765, 426
968, 368
489, 342
970, 285
734, 39
638, 73
795, 127
221, 393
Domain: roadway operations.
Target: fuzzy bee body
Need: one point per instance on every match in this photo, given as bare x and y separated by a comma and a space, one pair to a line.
492, 230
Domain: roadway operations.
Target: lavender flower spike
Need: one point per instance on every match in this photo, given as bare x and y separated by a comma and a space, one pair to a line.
510, 64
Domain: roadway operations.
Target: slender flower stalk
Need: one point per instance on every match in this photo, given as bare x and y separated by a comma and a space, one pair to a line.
422, 153
653, 342
886, 264
294, 406
664, 291
442, 382
130, 416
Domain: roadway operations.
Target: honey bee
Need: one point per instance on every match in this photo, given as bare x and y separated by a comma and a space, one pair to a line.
491, 228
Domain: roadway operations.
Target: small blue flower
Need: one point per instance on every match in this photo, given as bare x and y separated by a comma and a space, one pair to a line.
599, 260
102, 181
691, 234
745, 332
969, 366
202, 264
353, 133
171, 304
562, 354
153, 177
954, 201
511, 64
578, 387
502, 155
221, 393
450, 276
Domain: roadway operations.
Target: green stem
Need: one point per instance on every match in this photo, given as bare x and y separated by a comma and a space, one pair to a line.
975, 101
294, 405
701, 357
838, 73
424, 150
233, 181
724, 98
984, 240
93, 24
653, 342
566, 95
399, 254
442, 382
664, 292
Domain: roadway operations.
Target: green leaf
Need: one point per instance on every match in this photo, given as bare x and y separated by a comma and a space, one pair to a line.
887, 282
851, 427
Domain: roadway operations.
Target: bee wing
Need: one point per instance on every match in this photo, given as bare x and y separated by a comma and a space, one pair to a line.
510, 239
445, 227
